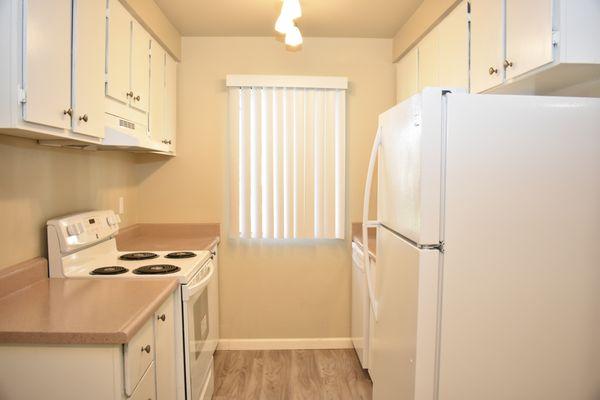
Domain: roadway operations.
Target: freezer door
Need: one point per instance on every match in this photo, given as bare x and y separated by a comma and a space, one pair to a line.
404, 336
410, 167
521, 284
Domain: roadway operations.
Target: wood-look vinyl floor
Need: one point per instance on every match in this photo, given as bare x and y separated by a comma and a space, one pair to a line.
290, 375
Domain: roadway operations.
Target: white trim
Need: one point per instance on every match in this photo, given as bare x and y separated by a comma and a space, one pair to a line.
286, 344
289, 81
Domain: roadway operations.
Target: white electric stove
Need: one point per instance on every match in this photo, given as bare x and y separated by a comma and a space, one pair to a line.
83, 246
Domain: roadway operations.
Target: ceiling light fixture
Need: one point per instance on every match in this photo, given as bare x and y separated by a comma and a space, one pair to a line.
283, 24
293, 37
290, 10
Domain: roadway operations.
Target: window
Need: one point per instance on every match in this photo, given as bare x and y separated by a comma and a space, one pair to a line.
288, 156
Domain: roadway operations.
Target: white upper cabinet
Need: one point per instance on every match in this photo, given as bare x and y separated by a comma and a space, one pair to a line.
407, 75
157, 93
140, 67
528, 35
538, 47
487, 47
453, 33
118, 51
47, 62
441, 58
89, 25
429, 60
170, 102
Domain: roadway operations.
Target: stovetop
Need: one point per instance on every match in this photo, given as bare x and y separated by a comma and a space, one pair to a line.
92, 263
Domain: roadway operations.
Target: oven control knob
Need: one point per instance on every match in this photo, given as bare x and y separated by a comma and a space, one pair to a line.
72, 230
111, 221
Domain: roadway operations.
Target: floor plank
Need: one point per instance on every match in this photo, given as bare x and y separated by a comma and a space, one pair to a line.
290, 375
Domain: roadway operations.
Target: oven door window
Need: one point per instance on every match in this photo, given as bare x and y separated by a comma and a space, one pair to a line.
198, 347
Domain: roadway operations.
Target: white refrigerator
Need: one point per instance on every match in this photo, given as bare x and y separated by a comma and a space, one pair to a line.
487, 284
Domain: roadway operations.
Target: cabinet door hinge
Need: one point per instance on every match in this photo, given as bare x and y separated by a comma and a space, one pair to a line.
555, 38
21, 95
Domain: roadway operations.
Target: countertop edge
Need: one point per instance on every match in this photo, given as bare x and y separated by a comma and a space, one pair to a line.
133, 326
121, 336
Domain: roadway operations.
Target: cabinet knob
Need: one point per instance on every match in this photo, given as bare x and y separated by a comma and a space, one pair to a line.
147, 349
137, 98
162, 317
68, 112
129, 94
507, 64
83, 118
493, 71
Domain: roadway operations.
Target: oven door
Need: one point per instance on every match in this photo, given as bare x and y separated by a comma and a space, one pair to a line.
197, 330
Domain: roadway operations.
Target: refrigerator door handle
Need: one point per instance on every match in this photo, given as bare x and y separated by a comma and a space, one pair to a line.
366, 223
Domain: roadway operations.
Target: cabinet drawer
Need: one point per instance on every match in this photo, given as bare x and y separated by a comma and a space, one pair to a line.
146, 389
139, 353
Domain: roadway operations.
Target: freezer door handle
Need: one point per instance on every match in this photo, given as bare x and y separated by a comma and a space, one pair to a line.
366, 223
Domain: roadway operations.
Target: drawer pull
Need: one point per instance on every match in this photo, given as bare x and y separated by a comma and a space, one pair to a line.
493, 71
68, 112
162, 317
84, 118
147, 348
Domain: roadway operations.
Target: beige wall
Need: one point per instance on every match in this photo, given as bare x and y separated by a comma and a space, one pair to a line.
38, 183
429, 13
269, 290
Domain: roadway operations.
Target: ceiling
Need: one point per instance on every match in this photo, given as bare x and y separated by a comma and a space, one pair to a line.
326, 18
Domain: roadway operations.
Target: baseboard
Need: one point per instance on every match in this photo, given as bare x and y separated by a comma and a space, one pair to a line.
285, 344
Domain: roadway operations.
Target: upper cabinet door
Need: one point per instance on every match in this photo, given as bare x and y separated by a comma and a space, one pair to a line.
171, 101
528, 35
157, 93
407, 75
89, 25
429, 60
118, 52
487, 47
140, 67
47, 62
454, 48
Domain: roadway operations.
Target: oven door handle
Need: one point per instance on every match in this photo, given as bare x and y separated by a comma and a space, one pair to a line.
189, 291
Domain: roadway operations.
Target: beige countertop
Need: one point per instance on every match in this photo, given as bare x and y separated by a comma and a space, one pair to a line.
165, 237
357, 238
76, 311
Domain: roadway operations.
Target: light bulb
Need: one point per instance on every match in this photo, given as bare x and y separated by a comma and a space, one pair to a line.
293, 37
283, 24
291, 9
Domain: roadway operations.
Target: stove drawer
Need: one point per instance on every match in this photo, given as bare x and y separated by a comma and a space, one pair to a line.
146, 390
139, 353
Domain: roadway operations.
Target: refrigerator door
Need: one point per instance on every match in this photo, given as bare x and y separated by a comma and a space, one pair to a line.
521, 284
404, 336
410, 167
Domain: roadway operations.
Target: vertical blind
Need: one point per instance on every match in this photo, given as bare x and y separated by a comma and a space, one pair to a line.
288, 146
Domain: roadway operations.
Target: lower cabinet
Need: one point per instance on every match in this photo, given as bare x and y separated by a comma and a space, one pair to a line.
166, 350
143, 369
